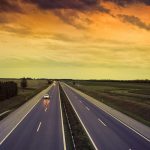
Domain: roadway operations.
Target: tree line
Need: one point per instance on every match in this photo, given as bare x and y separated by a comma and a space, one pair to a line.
109, 80
8, 90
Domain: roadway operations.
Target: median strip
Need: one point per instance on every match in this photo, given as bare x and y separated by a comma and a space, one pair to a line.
74, 146
62, 121
76, 131
66, 124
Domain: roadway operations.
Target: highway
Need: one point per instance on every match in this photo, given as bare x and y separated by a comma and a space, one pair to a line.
105, 132
41, 129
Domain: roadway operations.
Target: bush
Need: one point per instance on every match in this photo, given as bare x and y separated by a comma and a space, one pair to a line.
49, 82
23, 83
7, 90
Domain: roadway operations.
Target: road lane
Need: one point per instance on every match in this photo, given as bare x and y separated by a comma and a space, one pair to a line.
115, 136
40, 130
8, 124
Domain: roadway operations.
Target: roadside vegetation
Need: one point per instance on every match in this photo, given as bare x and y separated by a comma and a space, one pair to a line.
8, 90
74, 132
27, 88
129, 97
23, 83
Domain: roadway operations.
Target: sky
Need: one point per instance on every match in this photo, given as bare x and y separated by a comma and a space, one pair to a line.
78, 39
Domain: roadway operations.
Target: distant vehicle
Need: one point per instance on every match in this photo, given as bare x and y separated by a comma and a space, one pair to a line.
46, 100
46, 96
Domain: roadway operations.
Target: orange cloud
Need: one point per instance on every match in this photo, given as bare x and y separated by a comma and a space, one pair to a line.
81, 34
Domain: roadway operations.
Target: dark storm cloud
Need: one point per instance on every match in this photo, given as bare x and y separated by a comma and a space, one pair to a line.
9, 6
124, 3
67, 10
69, 16
83, 5
71, 4
134, 21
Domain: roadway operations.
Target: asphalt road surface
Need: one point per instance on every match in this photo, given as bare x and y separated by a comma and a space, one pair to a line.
105, 132
41, 129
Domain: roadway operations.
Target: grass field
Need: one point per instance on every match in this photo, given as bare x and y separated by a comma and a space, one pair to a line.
34, 87
130, 98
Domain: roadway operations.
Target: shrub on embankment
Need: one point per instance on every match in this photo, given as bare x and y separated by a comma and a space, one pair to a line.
8, 90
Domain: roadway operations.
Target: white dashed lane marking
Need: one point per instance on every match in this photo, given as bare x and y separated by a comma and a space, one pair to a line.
38, 127
102, 122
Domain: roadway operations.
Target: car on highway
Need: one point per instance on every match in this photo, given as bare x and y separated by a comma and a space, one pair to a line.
46, 100
46, 96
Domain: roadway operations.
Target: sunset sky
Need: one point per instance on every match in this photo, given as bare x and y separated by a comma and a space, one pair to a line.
80, 39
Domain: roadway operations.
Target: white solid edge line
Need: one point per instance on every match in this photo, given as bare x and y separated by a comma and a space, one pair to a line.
62, 124
38, 127
82, 123
20, 121
101, 122
5, 112
87, 108
126, 125
17, 124
114, 117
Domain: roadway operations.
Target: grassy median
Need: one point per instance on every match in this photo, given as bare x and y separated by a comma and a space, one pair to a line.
131, 98
80, 137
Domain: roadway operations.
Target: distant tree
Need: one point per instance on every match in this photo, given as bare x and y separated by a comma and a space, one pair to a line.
23, 83
29, 78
